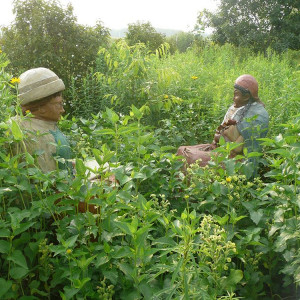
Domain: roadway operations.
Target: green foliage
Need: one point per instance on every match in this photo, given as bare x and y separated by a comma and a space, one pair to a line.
181, 41
5, 93
187, 93
125, 75
155, 233
52, 38
256, 24
144, 33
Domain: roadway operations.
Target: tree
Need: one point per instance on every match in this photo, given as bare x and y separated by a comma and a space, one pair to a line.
181, 41
258, 24
144, 33
45, 34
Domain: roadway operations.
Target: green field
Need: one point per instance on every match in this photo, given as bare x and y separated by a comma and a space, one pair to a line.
216, 233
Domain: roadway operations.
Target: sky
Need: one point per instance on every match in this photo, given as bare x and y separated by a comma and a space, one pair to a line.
117, 14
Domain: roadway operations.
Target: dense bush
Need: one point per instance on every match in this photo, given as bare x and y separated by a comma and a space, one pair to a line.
257, 24
145, 33
52, 39
213, 234
201, 80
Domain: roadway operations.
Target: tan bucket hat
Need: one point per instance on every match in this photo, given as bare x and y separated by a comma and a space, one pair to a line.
38, 83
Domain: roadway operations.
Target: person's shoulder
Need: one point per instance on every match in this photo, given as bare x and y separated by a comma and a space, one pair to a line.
258, 106
258, 109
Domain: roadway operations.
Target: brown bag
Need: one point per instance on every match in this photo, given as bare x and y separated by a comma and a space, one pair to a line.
202, 152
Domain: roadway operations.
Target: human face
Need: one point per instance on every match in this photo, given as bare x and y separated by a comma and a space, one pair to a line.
239, 99
51, 110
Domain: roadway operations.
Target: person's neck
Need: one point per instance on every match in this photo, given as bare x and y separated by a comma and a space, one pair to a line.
44, 120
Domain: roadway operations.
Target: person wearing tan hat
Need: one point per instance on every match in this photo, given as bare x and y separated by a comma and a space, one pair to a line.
40, 94
245, 122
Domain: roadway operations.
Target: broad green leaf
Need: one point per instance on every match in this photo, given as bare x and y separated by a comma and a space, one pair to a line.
222, 141
18, 258
29, 158
16, 131
146, 290
142, 202
124, 130
80, 167
283, 152
184, 215
112, 116
70, 241
104, 131
57, 249
4, 232
124, 227
273, 229
256, 215
18, 272
136, 112
141, 235
193, 215
235, 276
5, 285
69, 293
79, 283
126, 269
254, 154
138, 175
101, 259
165, 241
106, 247
124, 251
111, 275
134, 224
84, 263
221, 220
4, 247
216, 188
23, 227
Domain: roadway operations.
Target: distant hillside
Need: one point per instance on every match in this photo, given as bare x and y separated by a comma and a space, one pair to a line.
120, 33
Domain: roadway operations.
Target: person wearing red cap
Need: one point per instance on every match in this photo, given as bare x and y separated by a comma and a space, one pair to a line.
245, 122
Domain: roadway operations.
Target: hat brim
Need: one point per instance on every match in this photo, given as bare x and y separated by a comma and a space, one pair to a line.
41, 92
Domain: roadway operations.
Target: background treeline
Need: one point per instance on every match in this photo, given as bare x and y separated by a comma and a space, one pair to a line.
46, 34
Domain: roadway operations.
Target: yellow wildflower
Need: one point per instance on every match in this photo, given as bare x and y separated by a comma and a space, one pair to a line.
186, 196
194, 77
15, 80
166, 96
228, 179
69, 251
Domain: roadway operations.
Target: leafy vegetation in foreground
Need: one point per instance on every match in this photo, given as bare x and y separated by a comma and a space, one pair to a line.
215, 234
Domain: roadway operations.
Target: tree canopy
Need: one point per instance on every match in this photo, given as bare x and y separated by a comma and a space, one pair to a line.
258, 24
44, 34
144, 33
181, 41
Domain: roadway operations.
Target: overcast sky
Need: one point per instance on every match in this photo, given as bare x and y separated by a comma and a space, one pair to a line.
117, 14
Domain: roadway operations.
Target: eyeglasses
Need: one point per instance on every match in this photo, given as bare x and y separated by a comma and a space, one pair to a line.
58, 104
